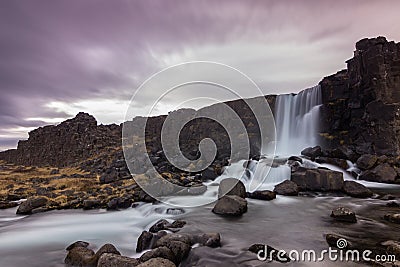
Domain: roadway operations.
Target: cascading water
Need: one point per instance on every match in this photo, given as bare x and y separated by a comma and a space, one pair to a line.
297, 121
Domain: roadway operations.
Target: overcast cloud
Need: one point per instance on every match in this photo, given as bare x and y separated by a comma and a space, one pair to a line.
61, 57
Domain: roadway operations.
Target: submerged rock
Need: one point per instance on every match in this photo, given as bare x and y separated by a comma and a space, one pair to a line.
230, 206
355, 189
344, 215
287, 188
262, 195
394, 218
232, 187
269, 253
338, 241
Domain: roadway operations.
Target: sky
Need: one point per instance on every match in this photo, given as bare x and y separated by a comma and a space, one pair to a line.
58, 58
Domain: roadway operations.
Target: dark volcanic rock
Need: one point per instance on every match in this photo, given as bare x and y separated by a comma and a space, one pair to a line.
262, 195
107, 248
232, 187
367, 161
165, 225
7, 205
312, 152
318, 179
30, 204
355, 189
144, 241
209, 239
80, 256
91, 204
113, 260
230, 206
287, 188
382, 173
160, 252
394, 218
157, 262
344, 215
77, 244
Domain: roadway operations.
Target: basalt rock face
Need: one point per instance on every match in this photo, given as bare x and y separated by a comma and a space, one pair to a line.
361, 105
61, 145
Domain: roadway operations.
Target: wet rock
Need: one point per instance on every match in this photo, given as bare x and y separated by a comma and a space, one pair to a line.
160, 252
382, 173
387, 197
230, 206
337, 241
393, 204
287, 188
394, 218
144, 241
212, 240
77, 244
179, 245
318, 179
113, 260
157, 262
107, 248
344, 215
30, 204
13, 197
91, 204
262, 195
343, 152
79, 256
175, 211
341, 163
209, 174
312, 152
119, 203
367, 161
165, 225
355, 189
392, 247
232, 187
295, 158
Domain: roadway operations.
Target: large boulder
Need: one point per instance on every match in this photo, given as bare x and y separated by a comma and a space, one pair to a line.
30, 204
344, 215
312, 152
144, 241
318, 179
157, 262
262, 195
366, 161
112, 260
179, 245
80, 256
160, 252
230, 206
382, 173
107, 248
232, 187
355, 189
287, 188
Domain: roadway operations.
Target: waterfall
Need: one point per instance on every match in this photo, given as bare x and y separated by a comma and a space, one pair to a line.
297, 121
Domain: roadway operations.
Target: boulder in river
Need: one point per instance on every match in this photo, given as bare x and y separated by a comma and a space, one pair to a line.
79, 256
366, 161
30, 204
230, 206
355, 189
262, 195
344, 215
320, 179
312, 152
231, 187
166, 225
337, 241
382, 173
160, 252
179, 245
394, 218
212, 240
77, 244
157, 262
287, 188
112, 260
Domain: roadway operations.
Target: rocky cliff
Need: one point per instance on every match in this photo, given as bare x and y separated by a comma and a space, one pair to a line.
362, 103
361, 109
